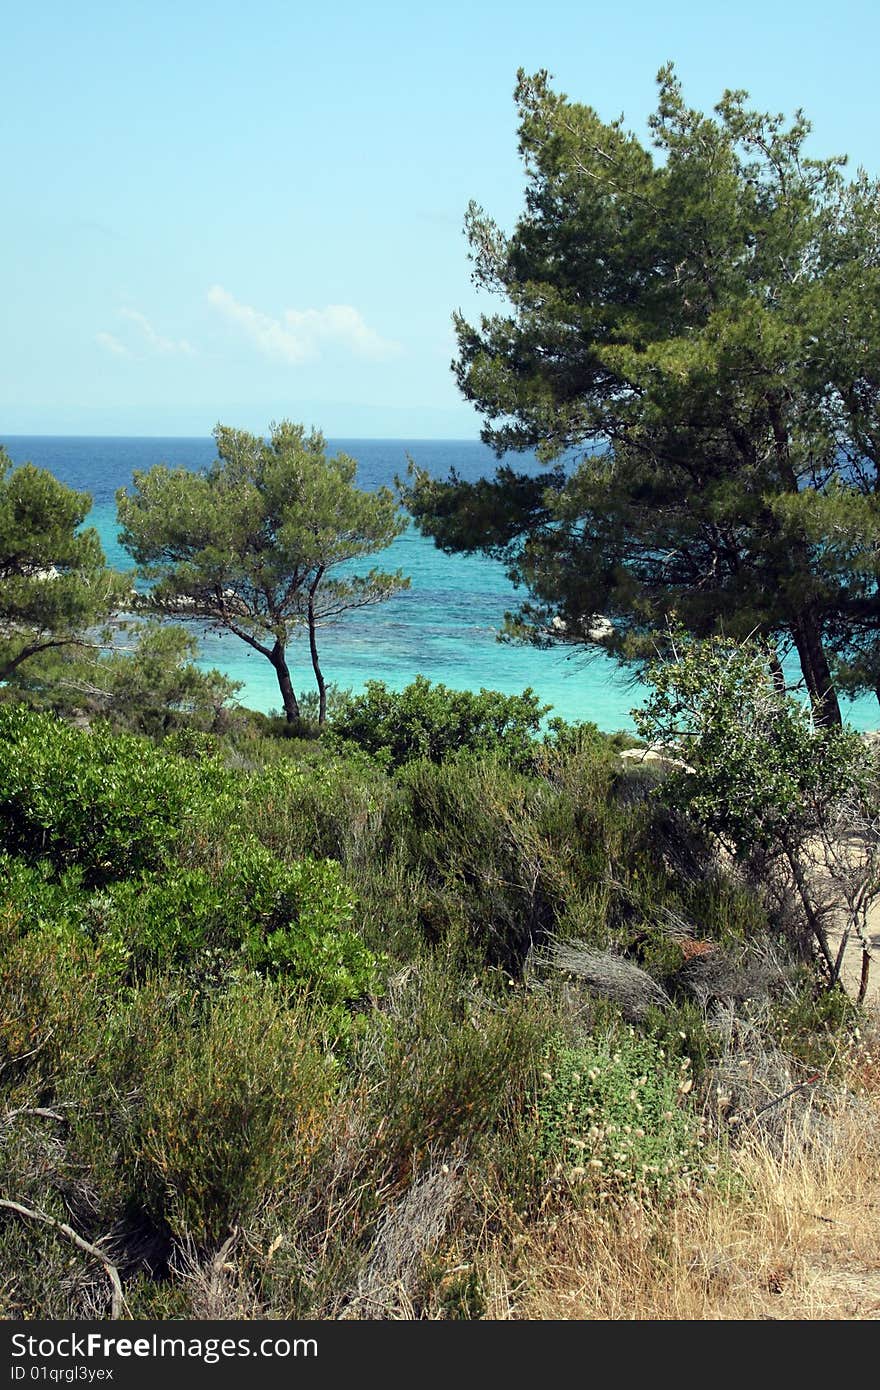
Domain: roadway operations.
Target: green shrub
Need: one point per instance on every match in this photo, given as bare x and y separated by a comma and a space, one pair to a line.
53, 985
298, 917
435, 722
285, 920
613, 1117
32, 897
583, 739
110, 803
197, 1114
810, 1022
320, 802
454, 1068
469, 835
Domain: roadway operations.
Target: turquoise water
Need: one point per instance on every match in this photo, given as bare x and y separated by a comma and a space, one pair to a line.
444, 626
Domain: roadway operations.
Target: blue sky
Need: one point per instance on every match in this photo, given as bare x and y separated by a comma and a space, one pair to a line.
239, 212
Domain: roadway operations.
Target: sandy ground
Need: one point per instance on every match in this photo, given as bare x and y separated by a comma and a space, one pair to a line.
852, 960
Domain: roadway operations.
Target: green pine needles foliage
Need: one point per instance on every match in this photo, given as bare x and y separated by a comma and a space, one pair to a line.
687, 332
260, 544
54, 584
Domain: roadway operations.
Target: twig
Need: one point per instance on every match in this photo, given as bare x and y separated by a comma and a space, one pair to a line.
23, 1056
219, 1266
777, 1100
61, 1226
40, 1110
863, 981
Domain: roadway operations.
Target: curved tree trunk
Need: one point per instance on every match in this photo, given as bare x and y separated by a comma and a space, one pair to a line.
806, 627
313, 648
777, 672
285, 685
812, 910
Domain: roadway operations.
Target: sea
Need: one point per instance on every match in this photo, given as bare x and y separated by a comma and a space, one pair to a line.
445, 626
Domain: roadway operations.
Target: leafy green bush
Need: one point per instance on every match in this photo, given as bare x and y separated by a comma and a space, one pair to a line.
613, 1116
253, 911
762, 774
435, 722
31, 897
111, 803
297, 918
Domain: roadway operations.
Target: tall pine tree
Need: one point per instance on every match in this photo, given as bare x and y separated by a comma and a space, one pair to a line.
700, 323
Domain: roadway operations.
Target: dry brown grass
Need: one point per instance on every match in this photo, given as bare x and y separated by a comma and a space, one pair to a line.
791, 1233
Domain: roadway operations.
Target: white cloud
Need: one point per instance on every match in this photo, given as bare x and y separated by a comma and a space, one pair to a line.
112, 344
142, 338
301, 334
153, 340
267, 333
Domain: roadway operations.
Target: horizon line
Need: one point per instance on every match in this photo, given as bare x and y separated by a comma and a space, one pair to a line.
378, 438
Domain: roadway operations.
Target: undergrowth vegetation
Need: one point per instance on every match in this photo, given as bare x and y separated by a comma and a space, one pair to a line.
327, 1027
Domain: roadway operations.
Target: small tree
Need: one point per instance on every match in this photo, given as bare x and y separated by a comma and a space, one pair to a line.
146, 680
771, 785
248, 546
54, 584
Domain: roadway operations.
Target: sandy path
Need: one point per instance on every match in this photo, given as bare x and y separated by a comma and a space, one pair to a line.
851, 972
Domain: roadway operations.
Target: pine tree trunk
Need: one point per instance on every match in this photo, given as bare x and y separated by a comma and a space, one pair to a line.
285, 685
806, 628
319, 676
817, 672
777, 672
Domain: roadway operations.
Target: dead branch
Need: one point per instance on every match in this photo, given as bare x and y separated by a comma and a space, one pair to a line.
31, 1214
41, 1111
776, 1100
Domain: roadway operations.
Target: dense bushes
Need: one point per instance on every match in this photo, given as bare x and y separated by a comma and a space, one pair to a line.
435, 722
271, 997
289, 922
103, 829
193, 1112
112, 804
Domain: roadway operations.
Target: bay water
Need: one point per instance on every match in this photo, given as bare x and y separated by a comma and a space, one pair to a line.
444, 626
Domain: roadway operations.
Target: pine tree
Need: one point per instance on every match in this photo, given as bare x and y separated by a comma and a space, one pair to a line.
251, 545
694, 329
54, 585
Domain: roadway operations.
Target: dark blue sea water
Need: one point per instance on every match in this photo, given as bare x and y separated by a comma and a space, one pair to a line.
443, 627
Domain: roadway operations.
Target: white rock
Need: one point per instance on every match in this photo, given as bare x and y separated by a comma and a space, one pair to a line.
655, 755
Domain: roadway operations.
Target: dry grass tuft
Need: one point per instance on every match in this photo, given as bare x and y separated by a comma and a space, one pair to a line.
609, 976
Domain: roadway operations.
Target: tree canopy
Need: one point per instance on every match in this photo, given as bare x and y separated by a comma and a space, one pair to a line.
255, 545
775, 790
54, 584
691, 342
